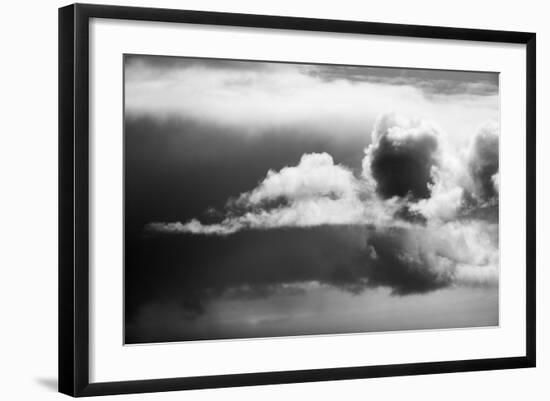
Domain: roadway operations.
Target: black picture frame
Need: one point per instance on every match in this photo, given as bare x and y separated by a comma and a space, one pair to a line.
74, 191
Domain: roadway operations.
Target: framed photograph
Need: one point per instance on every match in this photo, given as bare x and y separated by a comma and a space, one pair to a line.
251, 199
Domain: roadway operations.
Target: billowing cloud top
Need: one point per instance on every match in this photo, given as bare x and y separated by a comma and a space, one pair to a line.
315, 175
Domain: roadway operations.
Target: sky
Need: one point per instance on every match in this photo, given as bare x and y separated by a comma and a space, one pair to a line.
271, 199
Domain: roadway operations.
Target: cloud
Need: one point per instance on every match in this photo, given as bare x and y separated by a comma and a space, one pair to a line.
448, 180
484, 162
401, 156
462, 181
496, 182
251, 97
314, 192
316, 175
430, 82
420, 259
194, 227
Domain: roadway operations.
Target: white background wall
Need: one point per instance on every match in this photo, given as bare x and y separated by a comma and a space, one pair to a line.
28, 199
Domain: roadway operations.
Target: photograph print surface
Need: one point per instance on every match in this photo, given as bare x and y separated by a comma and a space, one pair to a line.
267, 199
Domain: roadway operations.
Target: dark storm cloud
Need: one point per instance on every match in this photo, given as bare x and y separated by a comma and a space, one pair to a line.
430, 82
191, 271
404, 169
484, 162
401, 158
404, 271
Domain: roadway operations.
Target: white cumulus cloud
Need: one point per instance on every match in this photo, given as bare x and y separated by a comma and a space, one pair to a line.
314, 192
316, 175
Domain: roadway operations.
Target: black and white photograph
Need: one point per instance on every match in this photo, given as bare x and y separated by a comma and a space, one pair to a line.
264, 201
269, 199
